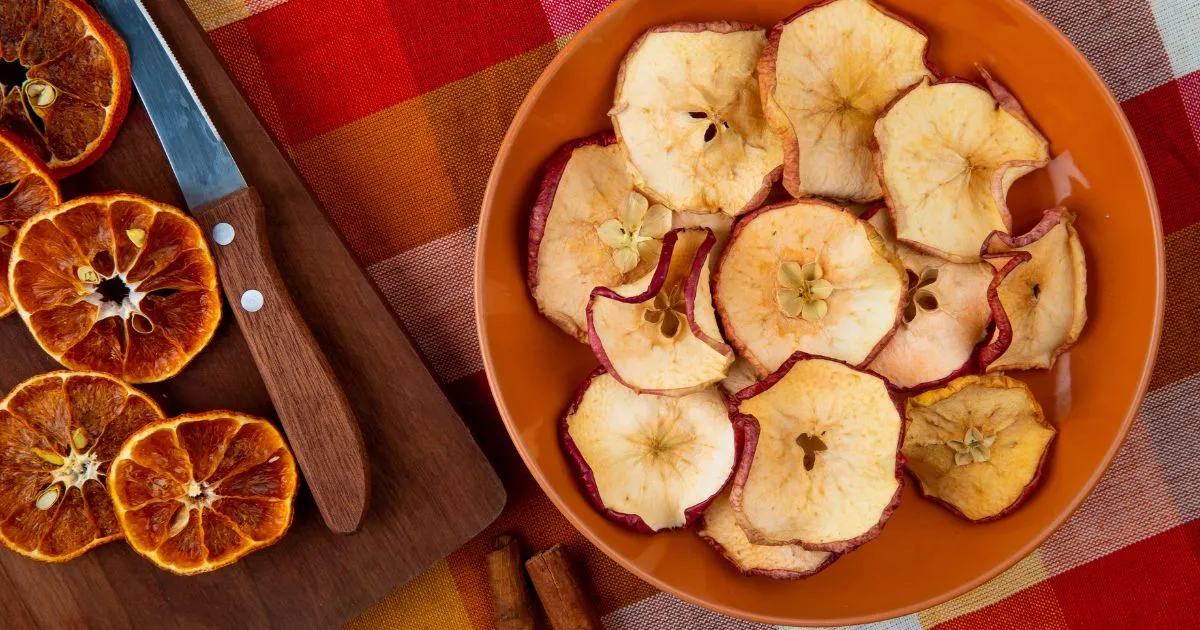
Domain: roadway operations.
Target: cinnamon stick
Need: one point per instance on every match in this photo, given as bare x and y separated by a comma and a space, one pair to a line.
510, 596
556, 586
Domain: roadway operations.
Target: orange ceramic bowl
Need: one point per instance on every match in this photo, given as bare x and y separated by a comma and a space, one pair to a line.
925, 555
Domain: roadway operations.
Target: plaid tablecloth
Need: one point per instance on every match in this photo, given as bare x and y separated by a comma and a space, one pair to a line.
394, 111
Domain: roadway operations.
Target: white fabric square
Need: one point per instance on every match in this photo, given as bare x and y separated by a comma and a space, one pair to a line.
1179, 23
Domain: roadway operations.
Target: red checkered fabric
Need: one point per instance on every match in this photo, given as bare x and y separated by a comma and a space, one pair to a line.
394, 111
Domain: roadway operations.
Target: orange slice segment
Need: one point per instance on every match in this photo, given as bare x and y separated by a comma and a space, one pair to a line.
64, 78
198, 492
117, 284
26, 188
58, 435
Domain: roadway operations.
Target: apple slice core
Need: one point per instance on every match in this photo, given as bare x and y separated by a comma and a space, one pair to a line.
649, 462
820, 465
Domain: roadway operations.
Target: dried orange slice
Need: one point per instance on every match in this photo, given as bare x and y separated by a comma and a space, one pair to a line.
64, 76
200, 491
26, 188
58, 434
117, 284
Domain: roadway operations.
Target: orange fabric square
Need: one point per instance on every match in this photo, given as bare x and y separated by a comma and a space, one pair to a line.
383, 181
471, 117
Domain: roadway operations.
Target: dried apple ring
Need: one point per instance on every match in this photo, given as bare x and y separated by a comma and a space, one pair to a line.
948, 153
977, 446
1039, 296
807, 276
688, 116
649, 462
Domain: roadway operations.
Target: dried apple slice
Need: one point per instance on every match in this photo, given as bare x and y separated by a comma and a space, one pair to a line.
589, 228
945, 318
688, 116
807, 275
947, 154
825, 75
649, 462
1039, 296
719, 528
659, 334
977, 446
820, 466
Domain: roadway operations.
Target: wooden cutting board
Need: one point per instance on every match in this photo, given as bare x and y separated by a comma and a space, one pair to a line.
432, 489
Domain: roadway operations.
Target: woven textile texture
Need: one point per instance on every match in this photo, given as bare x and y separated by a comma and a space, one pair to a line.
394, 111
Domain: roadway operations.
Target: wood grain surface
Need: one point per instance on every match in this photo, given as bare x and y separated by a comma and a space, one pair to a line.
431, 490
308, 399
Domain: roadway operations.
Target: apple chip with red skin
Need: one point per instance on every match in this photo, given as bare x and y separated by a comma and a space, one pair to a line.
719, 528
820, 465
977, 446
947, 154
825, 75
687, 114
588, 228
649, 462
1039, 295
808, 276
945, 318
659, 334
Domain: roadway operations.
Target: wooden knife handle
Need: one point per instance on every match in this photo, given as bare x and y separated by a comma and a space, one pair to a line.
312, 407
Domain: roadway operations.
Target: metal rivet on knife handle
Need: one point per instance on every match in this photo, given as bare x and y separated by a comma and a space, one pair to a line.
223, 233
252, 301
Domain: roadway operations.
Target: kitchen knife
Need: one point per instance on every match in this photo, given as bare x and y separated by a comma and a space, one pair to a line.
311, 405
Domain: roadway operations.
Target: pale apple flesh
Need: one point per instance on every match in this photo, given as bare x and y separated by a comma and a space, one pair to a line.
585, 186
820, 465
945, 318
649, 462
947, 154
688, 116
659, 334
852, 308
1039, 298
719, 528
742, 374
978, 445
826, 74
719, 223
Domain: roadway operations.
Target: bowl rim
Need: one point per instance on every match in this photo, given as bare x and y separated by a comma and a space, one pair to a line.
506, 147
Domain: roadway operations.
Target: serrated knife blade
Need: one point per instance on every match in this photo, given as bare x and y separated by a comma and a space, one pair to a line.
311, 405
205, 169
